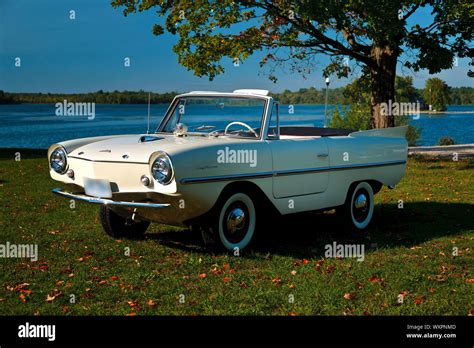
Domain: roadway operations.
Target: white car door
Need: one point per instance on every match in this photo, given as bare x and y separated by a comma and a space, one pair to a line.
300, 166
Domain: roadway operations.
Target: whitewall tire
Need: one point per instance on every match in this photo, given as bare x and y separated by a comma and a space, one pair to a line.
233, 224
359, 207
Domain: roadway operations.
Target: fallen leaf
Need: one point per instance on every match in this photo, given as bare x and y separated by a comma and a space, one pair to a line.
216, 271
276, 280
419, 300
292, 314
132, 304
293, 272
114, 278
151, 303
227, 279
203, 275
471, 280
403, 294
375, 279
348, 296
53, 295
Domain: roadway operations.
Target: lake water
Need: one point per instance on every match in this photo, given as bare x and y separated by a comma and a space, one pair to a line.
37, 126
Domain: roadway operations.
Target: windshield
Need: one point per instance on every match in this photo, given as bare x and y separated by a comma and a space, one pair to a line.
231, 116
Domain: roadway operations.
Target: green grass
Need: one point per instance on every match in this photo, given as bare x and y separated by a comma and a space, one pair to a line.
408, 251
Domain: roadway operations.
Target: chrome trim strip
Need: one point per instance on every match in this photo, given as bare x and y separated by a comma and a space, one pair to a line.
288, 172
96, 200
365, 165
226, 177
121, 162
335, 168
174, 104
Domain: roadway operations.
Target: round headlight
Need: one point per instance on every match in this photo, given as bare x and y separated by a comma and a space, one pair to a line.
162, 170
58, 160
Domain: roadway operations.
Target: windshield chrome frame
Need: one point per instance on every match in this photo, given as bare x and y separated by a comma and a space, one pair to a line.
263, 123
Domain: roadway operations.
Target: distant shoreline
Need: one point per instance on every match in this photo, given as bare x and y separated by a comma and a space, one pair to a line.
427, 112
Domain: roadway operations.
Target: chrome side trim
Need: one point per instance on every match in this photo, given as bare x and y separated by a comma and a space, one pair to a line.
288, 172
335, 168
96, 200
119, 162
226, 177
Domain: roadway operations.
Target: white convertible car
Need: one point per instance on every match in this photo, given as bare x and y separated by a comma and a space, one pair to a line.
220, 162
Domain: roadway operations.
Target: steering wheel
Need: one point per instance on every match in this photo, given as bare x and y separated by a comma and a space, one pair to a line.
241, 124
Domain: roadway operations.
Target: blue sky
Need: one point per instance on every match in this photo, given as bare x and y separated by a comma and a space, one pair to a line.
87, 54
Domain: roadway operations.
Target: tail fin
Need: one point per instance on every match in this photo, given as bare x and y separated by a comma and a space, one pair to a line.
392, 132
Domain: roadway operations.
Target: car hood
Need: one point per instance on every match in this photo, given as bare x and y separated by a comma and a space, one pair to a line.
135, 148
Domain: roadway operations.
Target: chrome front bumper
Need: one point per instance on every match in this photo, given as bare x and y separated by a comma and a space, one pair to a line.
96, 200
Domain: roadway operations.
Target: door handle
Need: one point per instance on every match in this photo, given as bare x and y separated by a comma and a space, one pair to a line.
322, 155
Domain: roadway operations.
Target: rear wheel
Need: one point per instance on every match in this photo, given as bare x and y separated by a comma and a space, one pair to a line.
117, 226
359, 206
232, 224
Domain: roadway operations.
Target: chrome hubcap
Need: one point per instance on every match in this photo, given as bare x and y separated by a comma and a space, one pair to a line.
235, 220
361, 202
361, 205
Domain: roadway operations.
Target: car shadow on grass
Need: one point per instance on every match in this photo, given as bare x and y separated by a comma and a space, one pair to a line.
306, 235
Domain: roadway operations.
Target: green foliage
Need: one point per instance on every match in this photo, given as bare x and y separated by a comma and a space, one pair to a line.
310, 96
352, 93
405, 92
413, 135
99, 97
371, 34
446, 141
436, 93
461, 95
211, 30
357, 117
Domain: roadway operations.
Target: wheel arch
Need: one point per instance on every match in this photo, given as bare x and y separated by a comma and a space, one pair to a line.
249, 188
375, 184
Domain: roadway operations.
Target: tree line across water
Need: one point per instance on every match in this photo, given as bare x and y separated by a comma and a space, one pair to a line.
356, 92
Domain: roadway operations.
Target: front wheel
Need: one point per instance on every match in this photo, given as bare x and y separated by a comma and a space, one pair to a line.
117, 226
232, 224
359, 207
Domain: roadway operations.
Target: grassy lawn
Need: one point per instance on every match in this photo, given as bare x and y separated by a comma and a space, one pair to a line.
408, 255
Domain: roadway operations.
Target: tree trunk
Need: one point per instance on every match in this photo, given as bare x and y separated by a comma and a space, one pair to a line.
382, 72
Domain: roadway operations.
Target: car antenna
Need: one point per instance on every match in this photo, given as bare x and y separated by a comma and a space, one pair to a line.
148, 127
